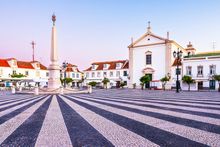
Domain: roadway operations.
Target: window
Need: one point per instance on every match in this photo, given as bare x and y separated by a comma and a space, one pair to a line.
105, 66
111, 74
77, 75
38, 65
200, 71
93, 74
118, 65
118, 74
125, 73
212, 69
93, 66
73, 75
104, 74
148, 59
14, 72
26, 73
189, 70
14, 63
87, 75
126, 83
47, 74
98, 74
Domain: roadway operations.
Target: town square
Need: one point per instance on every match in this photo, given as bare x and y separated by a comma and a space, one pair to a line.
83, 73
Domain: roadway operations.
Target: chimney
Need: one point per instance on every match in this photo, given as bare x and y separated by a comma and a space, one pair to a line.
168, 35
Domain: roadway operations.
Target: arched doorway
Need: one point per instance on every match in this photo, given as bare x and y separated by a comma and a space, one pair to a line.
148, 71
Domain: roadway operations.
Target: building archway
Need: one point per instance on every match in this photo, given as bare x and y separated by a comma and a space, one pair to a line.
148, 71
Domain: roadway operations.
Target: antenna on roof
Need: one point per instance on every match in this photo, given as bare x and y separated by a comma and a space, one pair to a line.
168, 35
213, 45
33, 45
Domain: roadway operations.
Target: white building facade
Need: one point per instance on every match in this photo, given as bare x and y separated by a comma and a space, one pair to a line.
73, 72
151, 55
115, 71
31, 71
202, 67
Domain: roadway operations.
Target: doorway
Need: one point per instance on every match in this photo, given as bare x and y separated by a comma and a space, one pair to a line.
147, 85
118, 84
200, 85
212, 84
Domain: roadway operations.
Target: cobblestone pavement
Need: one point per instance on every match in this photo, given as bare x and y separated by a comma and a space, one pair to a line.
124, 117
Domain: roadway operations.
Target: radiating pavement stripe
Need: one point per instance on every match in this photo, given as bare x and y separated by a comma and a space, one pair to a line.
182, 121
148, 97
80, 131
176, 104
190, 116
116, 134
53, 132
156, 135
18, 97
17, 101
190, 133
16, 108
11, 125
13, 105
192, 111
12, 114
26, 134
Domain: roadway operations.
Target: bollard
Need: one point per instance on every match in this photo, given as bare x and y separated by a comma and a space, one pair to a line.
89, 89
20, 89
36, 91
13, 90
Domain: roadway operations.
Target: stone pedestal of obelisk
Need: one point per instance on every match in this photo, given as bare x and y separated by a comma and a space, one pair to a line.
54, 68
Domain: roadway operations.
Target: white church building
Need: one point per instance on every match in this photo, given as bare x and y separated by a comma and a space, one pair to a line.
153, 55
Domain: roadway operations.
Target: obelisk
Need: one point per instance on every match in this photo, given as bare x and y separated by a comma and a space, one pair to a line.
54, 68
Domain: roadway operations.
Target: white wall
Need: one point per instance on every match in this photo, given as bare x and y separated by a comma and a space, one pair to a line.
112, 79
206, 64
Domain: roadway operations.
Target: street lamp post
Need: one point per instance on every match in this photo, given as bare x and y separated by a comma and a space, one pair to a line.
177, 55
65, 64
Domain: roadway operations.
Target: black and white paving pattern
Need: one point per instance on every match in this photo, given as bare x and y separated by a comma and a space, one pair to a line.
124, 117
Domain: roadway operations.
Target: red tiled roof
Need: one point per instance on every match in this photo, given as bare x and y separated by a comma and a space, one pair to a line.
10, 59
112, 65
126, 66
22, 64
4, 63
42, 67
88, 69
70, 68
176, 61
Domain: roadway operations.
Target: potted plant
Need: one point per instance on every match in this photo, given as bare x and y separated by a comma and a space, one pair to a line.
144, 79
105, 81
164, 81
188, 80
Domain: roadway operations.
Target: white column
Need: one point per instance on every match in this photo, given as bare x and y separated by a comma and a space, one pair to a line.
54, 68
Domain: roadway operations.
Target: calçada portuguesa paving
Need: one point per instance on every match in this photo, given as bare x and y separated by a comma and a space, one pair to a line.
123, 117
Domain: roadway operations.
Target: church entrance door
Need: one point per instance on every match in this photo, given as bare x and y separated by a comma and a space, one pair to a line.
147, 85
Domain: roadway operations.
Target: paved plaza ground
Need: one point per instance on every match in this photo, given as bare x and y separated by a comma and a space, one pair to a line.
124, 117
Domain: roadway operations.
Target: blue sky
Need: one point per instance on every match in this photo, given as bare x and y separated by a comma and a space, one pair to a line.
99, 30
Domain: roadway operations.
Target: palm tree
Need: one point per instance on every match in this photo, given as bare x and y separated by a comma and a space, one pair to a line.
188, 80
144, 79
217, 78
164, 81
105, 81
